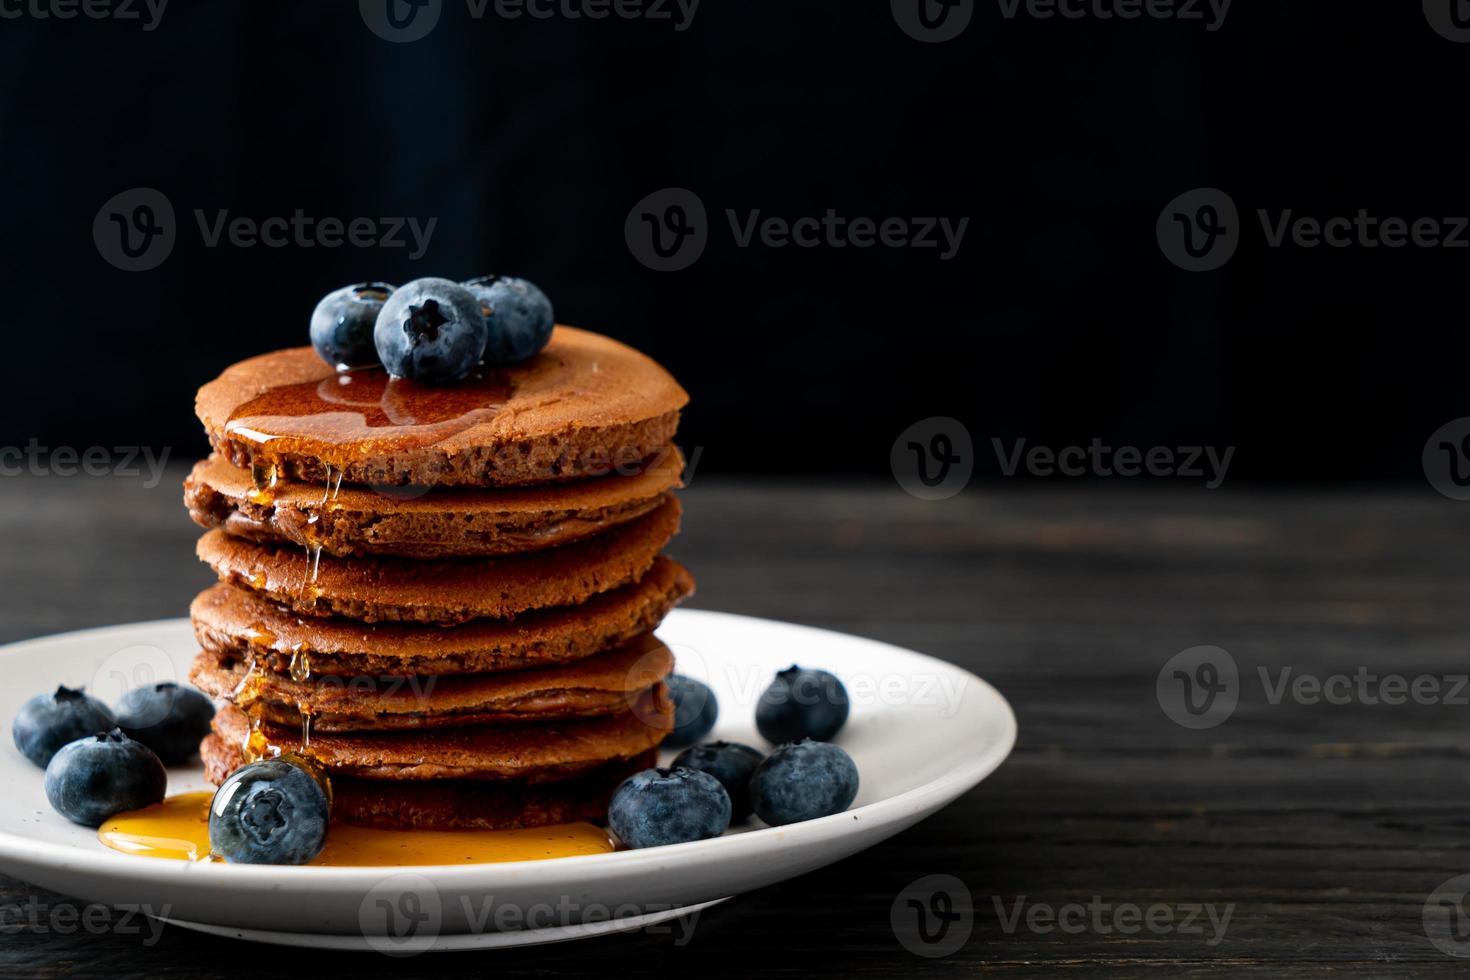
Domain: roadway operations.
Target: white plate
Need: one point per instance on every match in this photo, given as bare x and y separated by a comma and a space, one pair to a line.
921, 731
464, 942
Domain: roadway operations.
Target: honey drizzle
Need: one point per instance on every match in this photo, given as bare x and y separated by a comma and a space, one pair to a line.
333, 418
257, 746
301, 663
334, 484
248, 693
178, 829
263, 478
330, 491
306, 600
257, 636
250, 690
309, 591
301, 674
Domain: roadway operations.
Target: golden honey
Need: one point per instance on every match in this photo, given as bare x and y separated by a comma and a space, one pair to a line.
257, 746
263, 479
256, 635
178, 829
300, 663
331, 418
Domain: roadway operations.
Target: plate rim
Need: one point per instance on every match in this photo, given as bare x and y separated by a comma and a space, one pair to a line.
455, 942
109, 865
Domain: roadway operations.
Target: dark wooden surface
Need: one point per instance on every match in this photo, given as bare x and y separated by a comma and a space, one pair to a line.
1326, 826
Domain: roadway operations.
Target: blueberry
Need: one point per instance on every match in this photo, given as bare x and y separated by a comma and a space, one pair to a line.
430, 331
342, 324
729, 762
668, 806
802, 781
695, 710
169, 719
802, 703
97, 777
271, 812
48, 721
518, 315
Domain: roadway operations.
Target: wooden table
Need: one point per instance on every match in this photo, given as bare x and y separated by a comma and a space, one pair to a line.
1321, 827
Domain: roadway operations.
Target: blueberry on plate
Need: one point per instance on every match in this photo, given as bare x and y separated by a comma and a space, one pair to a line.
48, 721
430, 331
97, 777
668, 806
342, 324
270, 812
518, 315
695, 710
802, 781
729, 762
169, 719
802, 703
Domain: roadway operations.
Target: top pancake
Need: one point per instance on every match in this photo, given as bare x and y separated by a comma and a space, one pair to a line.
585, 406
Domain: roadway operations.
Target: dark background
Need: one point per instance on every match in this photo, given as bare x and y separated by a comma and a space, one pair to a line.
1060, 319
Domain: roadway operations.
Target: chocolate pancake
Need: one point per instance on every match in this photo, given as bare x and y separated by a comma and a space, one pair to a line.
446, 590
439, 523
234, 624
582, 406
604, 684
455, 804
529, 753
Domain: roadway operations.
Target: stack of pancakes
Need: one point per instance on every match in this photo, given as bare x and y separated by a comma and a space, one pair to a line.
443, 596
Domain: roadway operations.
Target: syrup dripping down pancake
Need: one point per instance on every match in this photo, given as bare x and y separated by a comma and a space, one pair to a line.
529, 753
347, 520
448, 590
456, 804
236, 624
600, 685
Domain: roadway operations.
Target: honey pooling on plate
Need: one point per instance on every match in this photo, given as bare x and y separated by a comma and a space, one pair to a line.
178, 829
